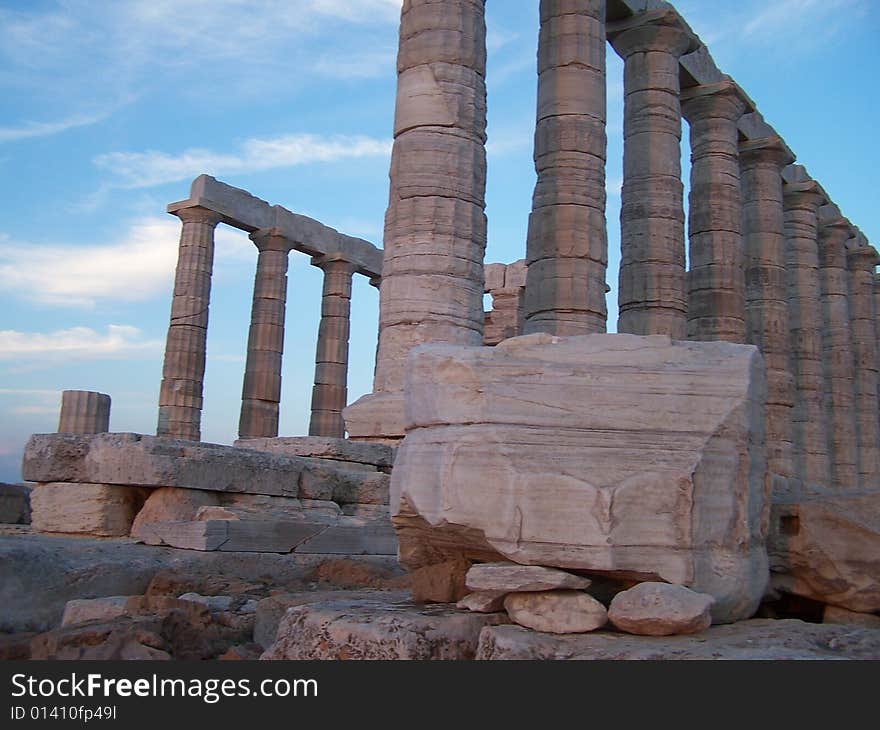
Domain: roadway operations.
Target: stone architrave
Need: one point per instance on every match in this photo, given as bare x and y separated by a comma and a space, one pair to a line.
183, 372
652, 294
261, 391
862, 260
837, 351
435, 225
715, 281
767, 321
802, 200
567, 246
330, 392
84, 411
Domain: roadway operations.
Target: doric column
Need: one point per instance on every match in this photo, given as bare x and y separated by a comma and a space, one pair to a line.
435, 225
652, 294
330, 392
261, 391
862, 260
84, 411
837, 352
183, 373
802, 201
567, 244
767, 321
715, 281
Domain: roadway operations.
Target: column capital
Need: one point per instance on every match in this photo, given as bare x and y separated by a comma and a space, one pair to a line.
197, 214
765, 150
863, 257
271, 239
807, 194
725, 100
654, 30
334, 262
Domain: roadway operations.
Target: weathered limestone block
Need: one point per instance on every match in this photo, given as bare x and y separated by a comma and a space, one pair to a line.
169, 504
149, 461
378, 629
756, 639
660, 609
837, 615
441, 582
378, 456
105, 510
827, 548
84, 411
556, 612
634, 456
510, 578
15, 504
83, 610
483, 601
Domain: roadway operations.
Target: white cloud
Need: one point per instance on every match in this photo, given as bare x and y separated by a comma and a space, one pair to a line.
77, 343
45, 129
145, 169
137, 267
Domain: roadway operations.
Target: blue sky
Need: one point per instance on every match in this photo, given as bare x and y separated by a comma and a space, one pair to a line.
110, 109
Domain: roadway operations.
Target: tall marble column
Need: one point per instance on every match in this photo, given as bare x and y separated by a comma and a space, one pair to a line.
652, 293
330, 392
567, 244
863, 260
802, 201
435, 225
767, 320
837, 352
261, 391
715, 281
183, 372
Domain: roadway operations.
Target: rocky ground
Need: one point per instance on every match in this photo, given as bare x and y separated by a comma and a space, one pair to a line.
83, 598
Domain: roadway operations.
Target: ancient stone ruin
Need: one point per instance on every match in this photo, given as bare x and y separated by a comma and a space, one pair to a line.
519, 484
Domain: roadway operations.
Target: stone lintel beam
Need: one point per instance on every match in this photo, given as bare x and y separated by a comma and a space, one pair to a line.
666, 16
768, 144
726, 86
239, 209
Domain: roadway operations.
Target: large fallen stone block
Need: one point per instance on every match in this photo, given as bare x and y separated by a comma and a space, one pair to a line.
103, 510
378, 628
634, 457
343, 451
129, 459
827, 548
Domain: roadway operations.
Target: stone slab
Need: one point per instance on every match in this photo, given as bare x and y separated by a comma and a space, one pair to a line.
336, 449
758, 639
40, 573
378, 629
129, 459
510, 578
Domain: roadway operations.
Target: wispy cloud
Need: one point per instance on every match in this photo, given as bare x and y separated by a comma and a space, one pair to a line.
27, 130
146, 169
77, 343
138, 266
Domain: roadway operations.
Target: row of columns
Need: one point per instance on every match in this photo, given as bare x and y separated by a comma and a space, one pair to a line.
769, 265
180, 399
